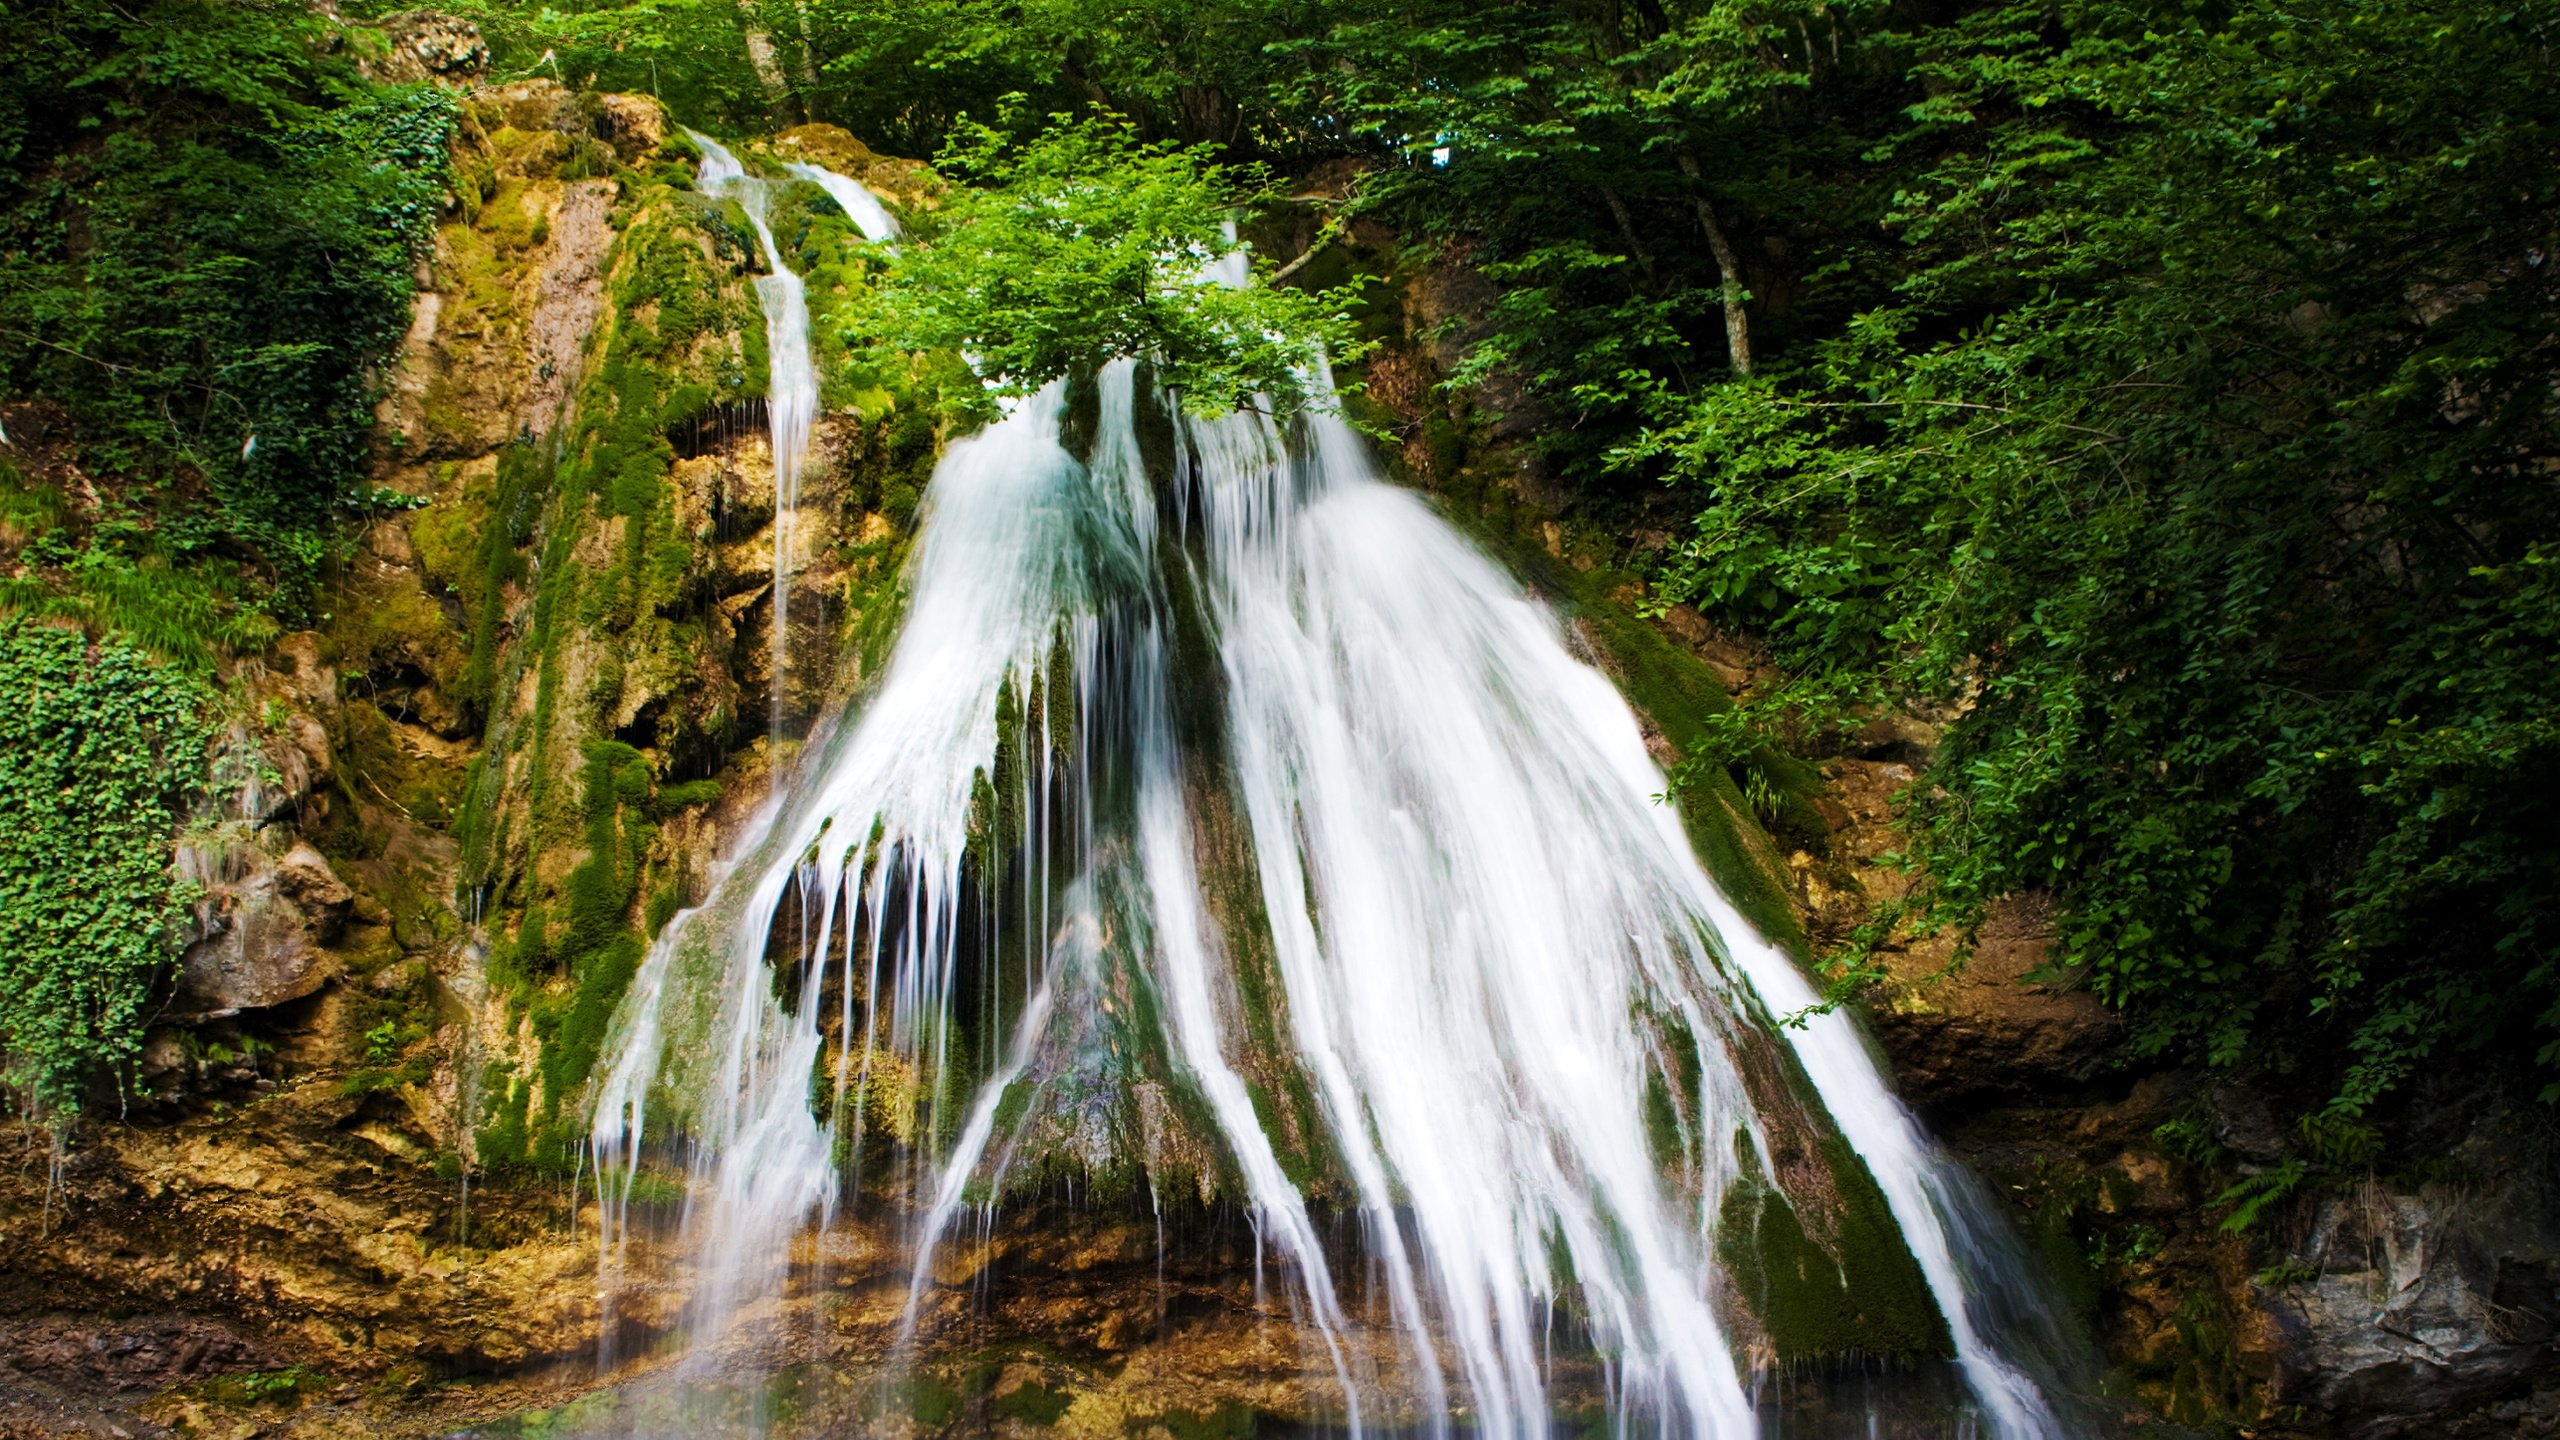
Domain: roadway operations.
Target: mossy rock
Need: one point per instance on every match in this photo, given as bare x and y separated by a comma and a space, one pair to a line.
1860, 1294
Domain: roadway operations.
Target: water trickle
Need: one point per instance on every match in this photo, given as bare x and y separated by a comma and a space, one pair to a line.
1488, 941
791, 403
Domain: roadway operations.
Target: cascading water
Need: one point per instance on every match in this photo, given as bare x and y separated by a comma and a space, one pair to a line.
791, 401
868, 213
1489, 941
885, 809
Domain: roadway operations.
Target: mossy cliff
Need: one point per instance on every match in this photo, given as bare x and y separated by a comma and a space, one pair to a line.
591, 599
537, 696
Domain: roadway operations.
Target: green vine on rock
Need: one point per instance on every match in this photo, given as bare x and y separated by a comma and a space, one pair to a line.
98, 750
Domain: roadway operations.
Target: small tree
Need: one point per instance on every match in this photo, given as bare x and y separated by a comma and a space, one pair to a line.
1083, 244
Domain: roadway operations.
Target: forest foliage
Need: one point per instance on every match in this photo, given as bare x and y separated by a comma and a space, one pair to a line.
209, 222
1074, 243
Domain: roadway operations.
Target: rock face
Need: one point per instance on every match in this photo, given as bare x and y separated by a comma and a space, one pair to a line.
2356, 1308
428, 45
299, 1232
2418, 1305
1986, 1030
262, 924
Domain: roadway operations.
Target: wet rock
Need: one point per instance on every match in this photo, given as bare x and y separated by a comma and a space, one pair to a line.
287, 1238
310, 741
1984, 1029
2245, 1123
164, 1059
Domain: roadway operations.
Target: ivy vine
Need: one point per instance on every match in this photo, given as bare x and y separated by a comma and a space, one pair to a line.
98, 751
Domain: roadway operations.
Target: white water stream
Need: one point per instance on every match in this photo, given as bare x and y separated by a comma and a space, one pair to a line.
868, 213
791, 394
1489, 938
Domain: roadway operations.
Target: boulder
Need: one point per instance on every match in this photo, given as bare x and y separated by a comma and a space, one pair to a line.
536, 105
304, 876
632, 124
259, 929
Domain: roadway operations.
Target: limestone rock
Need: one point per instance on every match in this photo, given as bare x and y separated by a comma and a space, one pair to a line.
306, 672
633, 124
535, 105
1985, 1030
303, 875
909, 184
1733, 663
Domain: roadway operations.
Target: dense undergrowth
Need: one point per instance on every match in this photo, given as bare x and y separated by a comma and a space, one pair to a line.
209, 221
97, 753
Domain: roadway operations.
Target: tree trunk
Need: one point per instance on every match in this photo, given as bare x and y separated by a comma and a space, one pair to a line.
1737, 320
766, 57
1627, 228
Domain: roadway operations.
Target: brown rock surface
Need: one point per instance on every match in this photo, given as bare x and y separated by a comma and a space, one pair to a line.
254, 946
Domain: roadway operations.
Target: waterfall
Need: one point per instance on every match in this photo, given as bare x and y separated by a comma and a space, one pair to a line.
1489, 940
868, 213
791, 404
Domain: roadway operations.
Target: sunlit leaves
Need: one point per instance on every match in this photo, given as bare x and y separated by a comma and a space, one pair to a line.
1081, 244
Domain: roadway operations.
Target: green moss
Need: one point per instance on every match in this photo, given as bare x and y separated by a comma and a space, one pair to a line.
501, 1139
279, 1389
686, 795
572, 1034
512, 219
523, 477
1861, 1293
663, 906
1663, 1131
448, 536
1230, 1420
375, 1078
426, 790
927, 1399
1033, 1405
